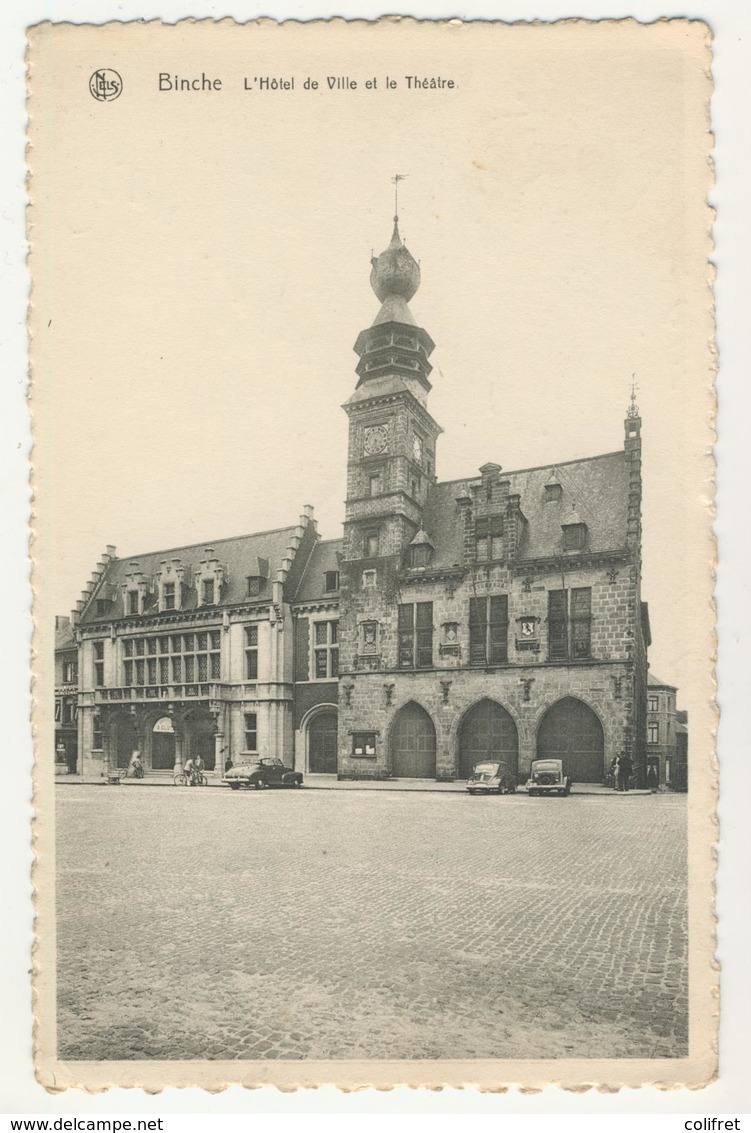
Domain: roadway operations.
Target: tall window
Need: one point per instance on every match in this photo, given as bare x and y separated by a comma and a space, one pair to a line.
326, 650
570, 624
208, 587
70, 672
488, 630
133, 597
489, 538
254, 585
181, 657
168, 596
653, 733
374, 484
99, 664
416, 635
251, 653
653, 703
251, 731
98, 737
371, 544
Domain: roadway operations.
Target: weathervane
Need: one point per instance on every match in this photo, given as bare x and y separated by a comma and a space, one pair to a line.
395, 181
633, 409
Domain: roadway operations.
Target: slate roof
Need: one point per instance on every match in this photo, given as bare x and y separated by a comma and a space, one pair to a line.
654, 681
595, 488
324, 557
238, 556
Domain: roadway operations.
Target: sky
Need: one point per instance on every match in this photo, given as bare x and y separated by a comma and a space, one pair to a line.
201, 272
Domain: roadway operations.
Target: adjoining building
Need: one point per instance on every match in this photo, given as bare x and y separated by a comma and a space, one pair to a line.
661, 725
66, 697
496, 615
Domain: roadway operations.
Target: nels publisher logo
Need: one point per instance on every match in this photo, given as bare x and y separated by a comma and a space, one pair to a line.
105, 85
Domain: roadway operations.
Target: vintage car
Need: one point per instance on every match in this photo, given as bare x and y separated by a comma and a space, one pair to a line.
492, 777
262, 771
548, 777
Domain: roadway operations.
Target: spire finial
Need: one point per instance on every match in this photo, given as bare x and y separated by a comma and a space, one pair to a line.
395, 181
633, 409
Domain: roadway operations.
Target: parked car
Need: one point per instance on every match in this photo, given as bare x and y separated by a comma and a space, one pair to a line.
262, 771
492, 777
548, 777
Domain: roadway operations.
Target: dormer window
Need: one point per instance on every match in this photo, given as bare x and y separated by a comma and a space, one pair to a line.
419, 556
331, 581
574, 536
134, 602
553, 491
254, 586
168, 596
208, 592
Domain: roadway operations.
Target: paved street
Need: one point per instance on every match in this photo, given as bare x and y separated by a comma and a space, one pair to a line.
349, 924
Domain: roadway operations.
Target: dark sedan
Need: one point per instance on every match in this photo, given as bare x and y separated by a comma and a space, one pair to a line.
260, 772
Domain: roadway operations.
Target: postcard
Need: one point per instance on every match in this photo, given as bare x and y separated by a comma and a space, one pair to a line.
372, 398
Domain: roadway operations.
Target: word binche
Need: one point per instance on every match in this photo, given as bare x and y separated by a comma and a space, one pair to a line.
174, 82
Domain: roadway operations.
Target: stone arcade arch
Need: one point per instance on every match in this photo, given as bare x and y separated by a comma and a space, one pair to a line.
322, 741
571, 730
487, 731
124, 738
412, 743
200, 730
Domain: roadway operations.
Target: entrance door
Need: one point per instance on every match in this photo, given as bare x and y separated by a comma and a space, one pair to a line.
163, 745
487, 732
322, 744
413, 744
571, 731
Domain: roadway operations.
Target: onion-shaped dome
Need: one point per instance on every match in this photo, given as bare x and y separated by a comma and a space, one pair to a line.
395, 271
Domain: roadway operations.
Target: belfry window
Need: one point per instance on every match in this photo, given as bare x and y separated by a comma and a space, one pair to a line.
371, 544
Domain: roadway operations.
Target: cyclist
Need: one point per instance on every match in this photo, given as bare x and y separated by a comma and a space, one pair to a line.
189, 770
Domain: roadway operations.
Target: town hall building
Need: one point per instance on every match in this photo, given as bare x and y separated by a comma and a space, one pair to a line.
496, 615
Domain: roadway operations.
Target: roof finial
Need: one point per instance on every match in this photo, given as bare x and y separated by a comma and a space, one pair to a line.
395, 181
633, 409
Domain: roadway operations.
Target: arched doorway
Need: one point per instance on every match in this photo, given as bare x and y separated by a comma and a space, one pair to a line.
487, 732
570, 730
322, 738
124, 738
413, 744
163, 744
200, 730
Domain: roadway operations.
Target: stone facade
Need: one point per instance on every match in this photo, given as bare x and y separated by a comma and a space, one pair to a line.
520, 589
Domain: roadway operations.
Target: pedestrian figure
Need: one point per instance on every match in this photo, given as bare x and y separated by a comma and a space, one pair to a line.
625, 769
612, 773
653, 778
228, 765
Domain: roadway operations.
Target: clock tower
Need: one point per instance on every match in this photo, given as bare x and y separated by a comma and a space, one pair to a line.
392, 436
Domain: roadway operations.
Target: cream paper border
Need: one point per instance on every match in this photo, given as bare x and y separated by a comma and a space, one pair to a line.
700, 1067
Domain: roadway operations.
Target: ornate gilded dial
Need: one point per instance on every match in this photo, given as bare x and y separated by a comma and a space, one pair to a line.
376, 439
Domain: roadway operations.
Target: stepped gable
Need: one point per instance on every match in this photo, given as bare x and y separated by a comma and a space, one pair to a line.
239, 556
324, 558
595, 489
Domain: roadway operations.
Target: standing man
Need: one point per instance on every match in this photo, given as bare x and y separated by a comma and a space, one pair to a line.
625, 771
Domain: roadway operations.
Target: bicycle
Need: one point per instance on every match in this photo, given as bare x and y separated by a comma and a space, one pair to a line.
181, 779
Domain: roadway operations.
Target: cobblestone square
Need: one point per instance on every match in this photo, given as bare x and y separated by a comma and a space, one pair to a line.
369, 924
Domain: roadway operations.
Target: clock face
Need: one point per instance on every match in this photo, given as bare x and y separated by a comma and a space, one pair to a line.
417, 448
375, 439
